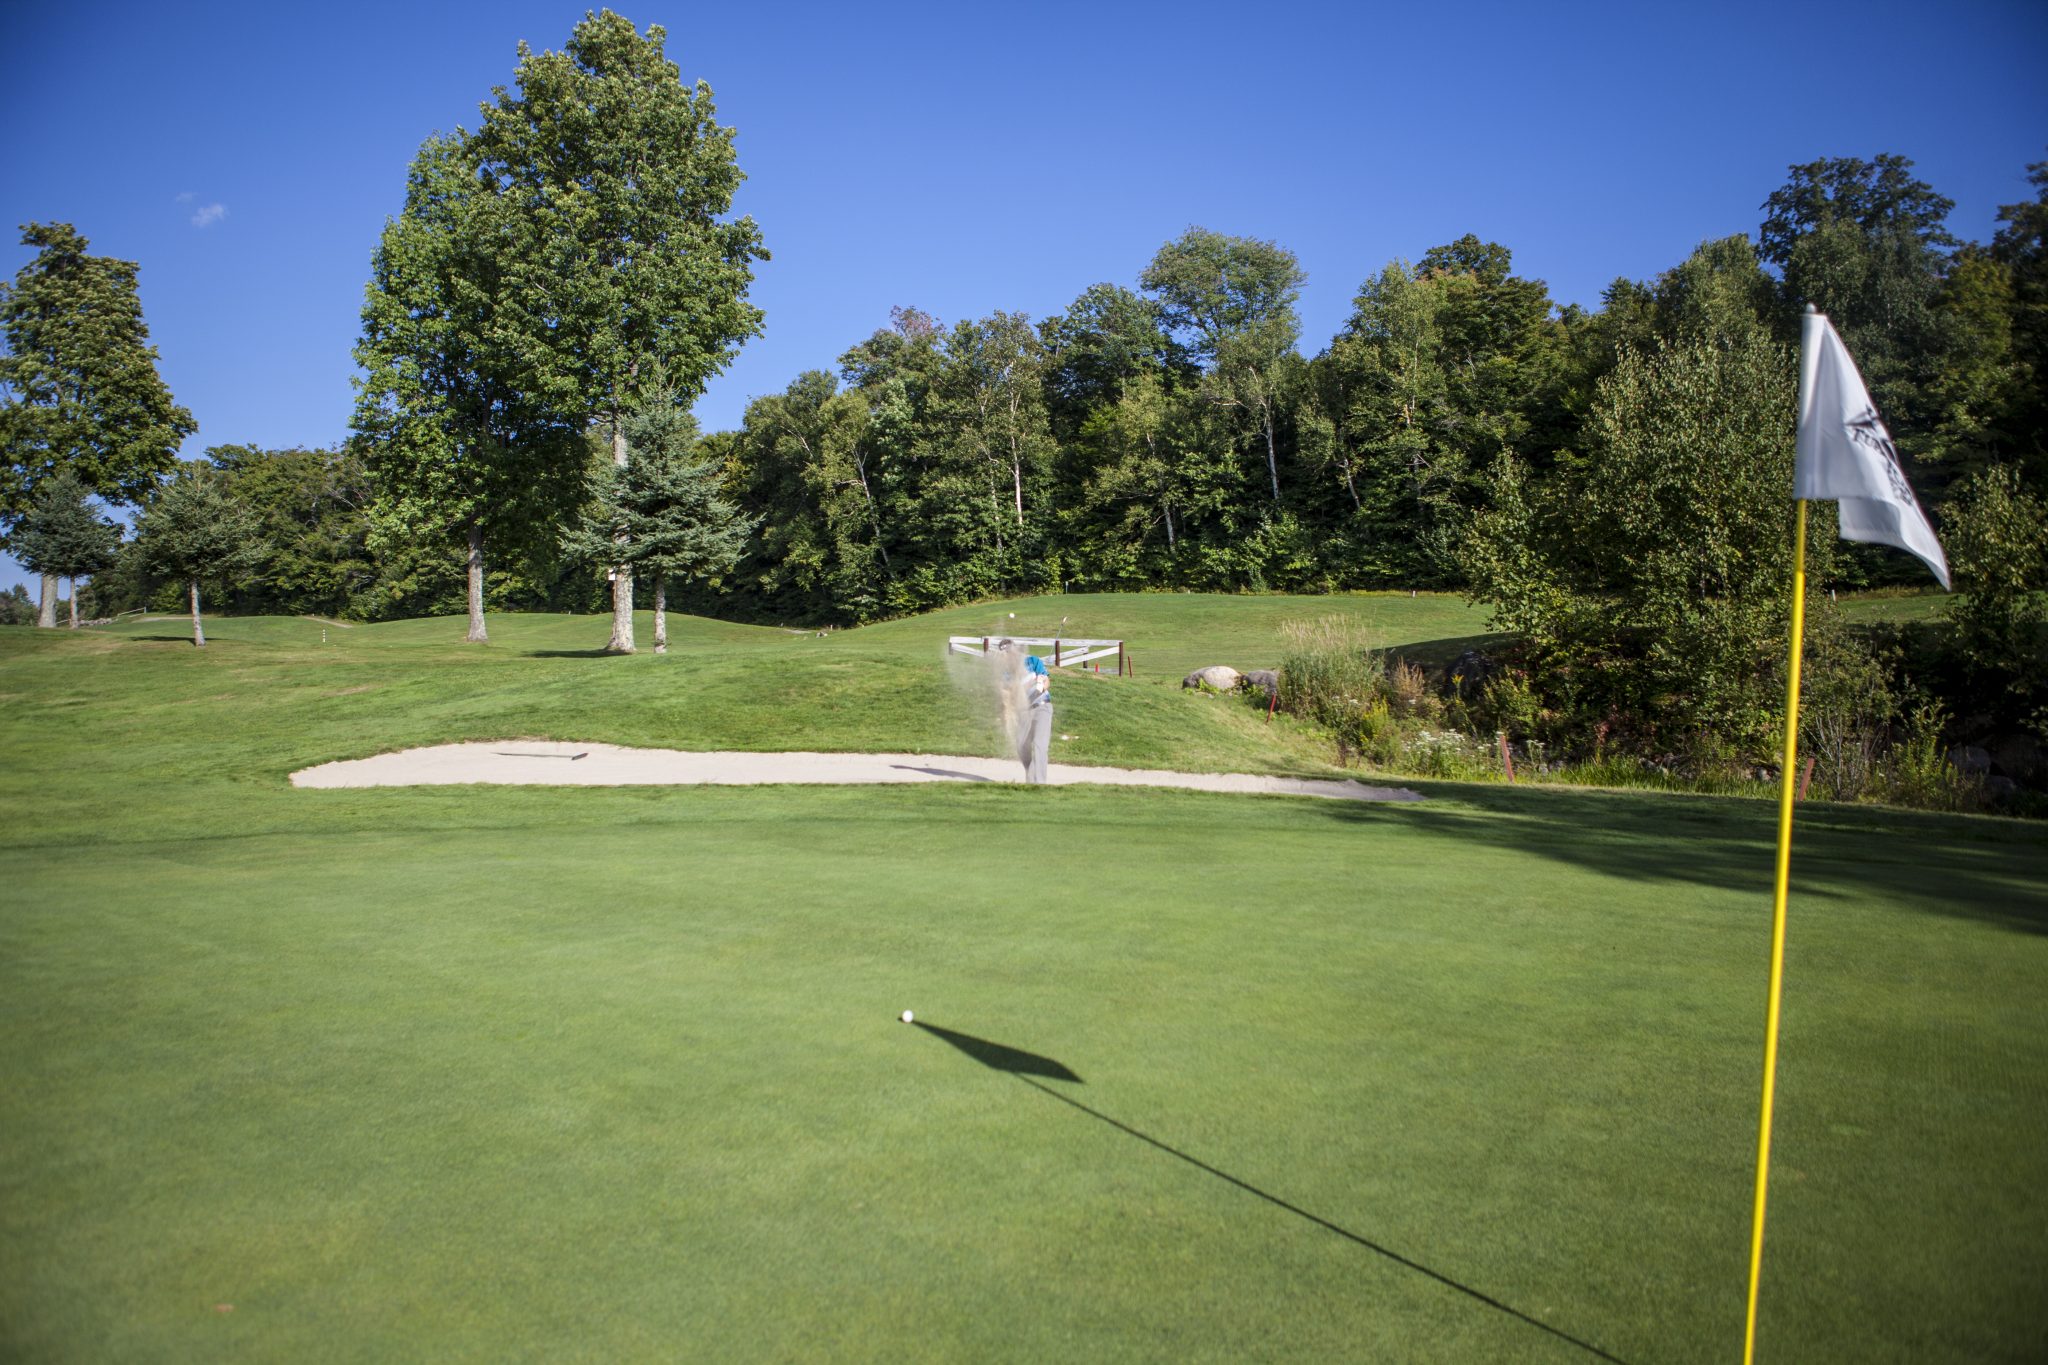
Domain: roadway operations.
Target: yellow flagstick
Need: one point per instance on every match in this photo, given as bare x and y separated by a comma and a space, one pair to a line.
1785, 798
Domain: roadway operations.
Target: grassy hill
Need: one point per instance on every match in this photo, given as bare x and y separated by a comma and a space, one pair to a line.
469, 1073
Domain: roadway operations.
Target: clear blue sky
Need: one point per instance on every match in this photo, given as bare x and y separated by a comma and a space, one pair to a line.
965, 158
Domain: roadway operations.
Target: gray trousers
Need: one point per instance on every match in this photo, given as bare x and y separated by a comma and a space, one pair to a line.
1037, 739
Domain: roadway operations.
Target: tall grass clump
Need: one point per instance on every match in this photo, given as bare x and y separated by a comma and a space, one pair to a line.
1332, 675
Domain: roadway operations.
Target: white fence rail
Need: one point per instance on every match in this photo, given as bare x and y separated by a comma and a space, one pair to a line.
1064, 653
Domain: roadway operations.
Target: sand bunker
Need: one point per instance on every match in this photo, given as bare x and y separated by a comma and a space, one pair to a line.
552, 763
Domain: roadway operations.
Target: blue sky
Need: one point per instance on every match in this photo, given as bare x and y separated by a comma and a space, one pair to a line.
965, 158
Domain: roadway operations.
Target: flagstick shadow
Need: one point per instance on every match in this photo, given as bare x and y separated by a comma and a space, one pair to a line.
1321, 1222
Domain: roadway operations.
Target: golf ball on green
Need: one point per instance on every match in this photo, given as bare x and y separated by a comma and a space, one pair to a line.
908, 1016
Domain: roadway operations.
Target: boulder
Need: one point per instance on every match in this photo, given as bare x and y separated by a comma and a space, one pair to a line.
1215, 678
1468, 673
1970, 760
1265, 681
2018, 757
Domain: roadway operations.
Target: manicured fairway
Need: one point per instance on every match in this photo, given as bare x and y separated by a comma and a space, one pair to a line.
605, 1074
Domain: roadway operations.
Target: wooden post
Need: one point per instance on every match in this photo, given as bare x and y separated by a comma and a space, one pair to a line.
1119, 658
1507, 760
1055, 653
1805, 776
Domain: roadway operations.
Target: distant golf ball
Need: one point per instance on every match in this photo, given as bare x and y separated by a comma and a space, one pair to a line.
908, 1016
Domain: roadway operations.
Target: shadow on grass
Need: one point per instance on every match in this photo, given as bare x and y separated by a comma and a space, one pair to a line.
1001, 1057
1995, 871
571, 654
1438, 655
1026, 1065
941, 772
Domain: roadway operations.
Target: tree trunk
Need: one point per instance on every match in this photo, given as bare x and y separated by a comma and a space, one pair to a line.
661, 613
198, 635
860, 468
74, 604
46, 611
622, 579
477, 635
1167, 508
1272, 450
1016, 461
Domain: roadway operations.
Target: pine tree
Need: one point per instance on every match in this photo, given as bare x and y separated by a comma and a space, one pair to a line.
61, 537
79, 388
662, 515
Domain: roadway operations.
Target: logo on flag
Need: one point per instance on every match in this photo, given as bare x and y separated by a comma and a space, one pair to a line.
1846, 454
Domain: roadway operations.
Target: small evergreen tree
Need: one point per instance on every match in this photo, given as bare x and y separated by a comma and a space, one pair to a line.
193, 531
663, 514
62, 537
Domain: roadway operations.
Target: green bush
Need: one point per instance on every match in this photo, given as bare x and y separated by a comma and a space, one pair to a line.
1847, 706
1916, 771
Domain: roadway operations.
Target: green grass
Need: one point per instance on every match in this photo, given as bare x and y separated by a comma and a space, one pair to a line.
484, 1073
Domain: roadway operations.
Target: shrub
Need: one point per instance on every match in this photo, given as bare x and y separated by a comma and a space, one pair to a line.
1449, 754
1509, 704
1847, 706
1330, 674
1916, 771
1408, 690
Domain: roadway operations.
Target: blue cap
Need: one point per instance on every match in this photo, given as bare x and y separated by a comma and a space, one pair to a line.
1034, 664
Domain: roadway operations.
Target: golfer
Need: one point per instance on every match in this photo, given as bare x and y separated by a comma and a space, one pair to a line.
1037, 736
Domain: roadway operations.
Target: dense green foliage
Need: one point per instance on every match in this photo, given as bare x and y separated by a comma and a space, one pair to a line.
195, 532
661, 516
453, 417
78, 377
1174, 438
469, 1073
62, 536
79, 390
1647, 577
617, 181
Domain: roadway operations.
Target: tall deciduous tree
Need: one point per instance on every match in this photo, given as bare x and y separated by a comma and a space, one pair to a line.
79, 388
1442, 366
1866, 242
663, 514
1648, 574
1234, 297
2021, 246
453, 408
314, 507
193, 531
1997, 538
62, 536
622, 179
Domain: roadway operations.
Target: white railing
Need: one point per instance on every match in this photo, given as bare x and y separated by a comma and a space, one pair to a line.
1063, 653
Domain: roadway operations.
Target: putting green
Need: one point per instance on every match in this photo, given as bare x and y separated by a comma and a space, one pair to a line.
468, 1073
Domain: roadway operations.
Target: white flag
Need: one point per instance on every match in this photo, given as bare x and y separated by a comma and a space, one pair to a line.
1846, 454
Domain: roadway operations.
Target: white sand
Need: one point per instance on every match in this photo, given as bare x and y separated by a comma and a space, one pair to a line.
553, 763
